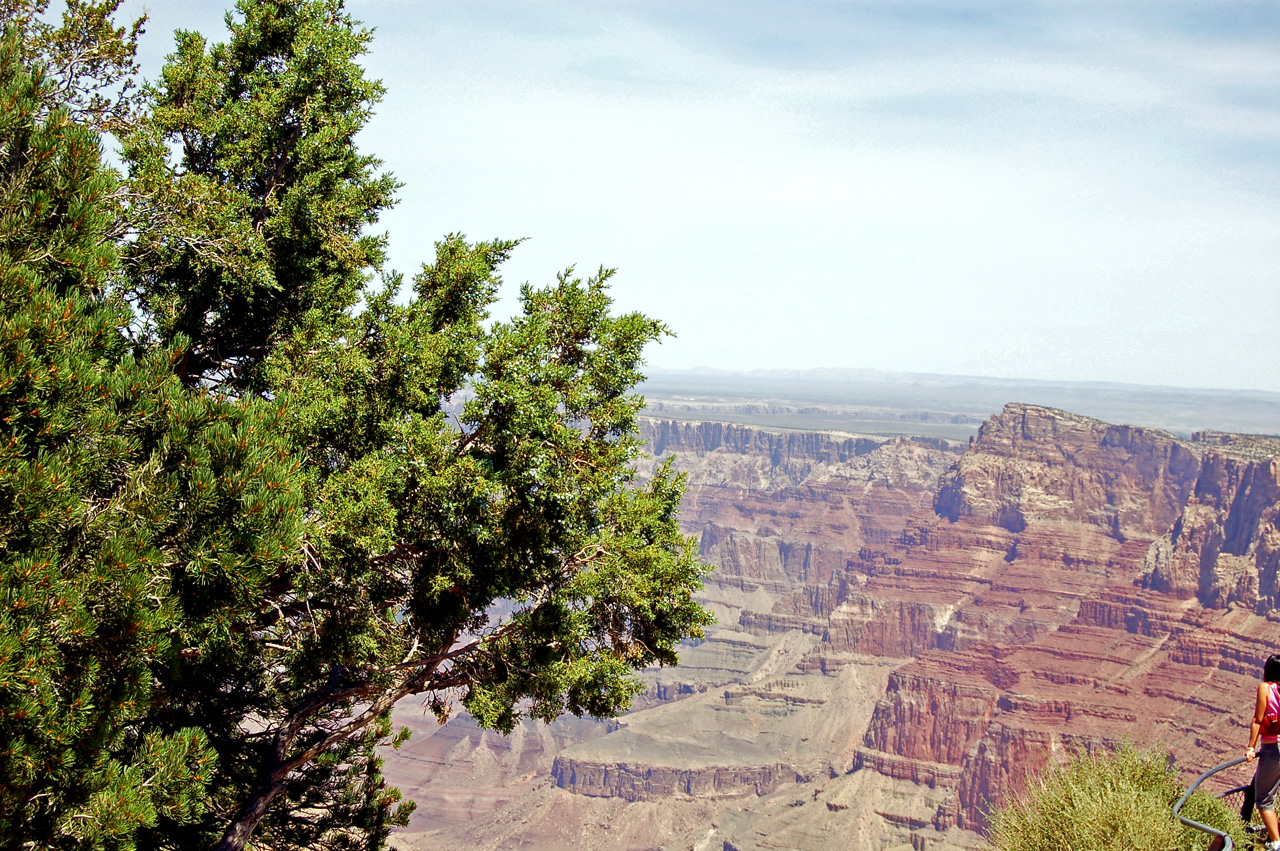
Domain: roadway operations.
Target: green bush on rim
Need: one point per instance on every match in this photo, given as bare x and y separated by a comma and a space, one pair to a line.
1117, 800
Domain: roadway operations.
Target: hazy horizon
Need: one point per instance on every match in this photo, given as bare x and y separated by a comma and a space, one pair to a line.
951, 406
843, 373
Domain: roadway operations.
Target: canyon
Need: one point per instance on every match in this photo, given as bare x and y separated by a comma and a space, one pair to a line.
908, 630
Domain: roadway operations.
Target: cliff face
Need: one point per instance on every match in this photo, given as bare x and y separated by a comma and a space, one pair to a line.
1087, 570
1063, 573
908, 630
1050, 467
699, 438
1224, 547
641, 782
782, 516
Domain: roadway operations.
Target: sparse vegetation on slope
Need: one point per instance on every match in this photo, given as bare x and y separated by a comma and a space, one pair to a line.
1110, 801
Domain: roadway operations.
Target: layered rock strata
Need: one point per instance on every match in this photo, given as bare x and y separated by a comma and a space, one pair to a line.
1089, 583
909, 630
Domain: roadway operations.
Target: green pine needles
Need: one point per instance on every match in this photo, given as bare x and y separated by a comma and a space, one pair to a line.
254, 490
100, 449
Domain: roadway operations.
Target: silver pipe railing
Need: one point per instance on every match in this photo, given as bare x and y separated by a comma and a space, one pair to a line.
1226, 840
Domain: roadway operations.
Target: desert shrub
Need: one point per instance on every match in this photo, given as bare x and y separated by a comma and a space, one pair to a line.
1117, 800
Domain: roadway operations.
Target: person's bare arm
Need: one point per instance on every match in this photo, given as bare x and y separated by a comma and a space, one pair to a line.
1255, 729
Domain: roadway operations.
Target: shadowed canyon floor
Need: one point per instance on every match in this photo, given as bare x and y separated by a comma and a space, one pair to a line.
907, 629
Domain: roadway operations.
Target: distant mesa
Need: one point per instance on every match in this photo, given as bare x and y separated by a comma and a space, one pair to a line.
889, 403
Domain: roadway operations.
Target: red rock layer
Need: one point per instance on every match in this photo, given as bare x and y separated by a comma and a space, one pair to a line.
1069, 590
1063, 583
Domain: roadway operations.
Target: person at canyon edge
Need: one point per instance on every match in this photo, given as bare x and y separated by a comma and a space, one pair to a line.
1265, 729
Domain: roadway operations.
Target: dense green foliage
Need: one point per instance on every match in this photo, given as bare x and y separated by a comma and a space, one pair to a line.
102, 463
259, 226
1117, 800
251, 498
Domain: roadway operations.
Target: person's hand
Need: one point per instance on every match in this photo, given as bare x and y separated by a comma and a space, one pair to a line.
1250, 754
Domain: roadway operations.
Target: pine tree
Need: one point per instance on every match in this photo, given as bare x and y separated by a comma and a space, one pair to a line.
474, 531
87, 61
110, 473
249, 500
263, 221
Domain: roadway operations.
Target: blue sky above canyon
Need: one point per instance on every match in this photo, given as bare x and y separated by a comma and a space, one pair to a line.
1073, 190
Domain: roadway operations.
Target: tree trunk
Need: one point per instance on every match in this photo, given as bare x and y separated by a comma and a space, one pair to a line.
247, 820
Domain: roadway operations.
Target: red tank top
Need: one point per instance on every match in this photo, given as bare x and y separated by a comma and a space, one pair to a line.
1273, 709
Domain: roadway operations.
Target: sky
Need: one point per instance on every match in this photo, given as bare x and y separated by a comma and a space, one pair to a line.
1079, 191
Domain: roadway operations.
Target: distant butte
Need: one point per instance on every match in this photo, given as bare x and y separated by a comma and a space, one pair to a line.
909, 628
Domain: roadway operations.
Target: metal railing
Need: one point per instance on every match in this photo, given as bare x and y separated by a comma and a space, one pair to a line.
1226, 844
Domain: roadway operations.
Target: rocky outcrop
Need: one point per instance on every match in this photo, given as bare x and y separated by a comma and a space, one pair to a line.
727, 455
867, 623
771, 557
1061, 594
671, 436
935, 719
1224, 547
647, 783
1040, 465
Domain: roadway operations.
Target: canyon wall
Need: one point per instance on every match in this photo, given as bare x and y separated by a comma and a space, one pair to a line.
1102, 583
907, 630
